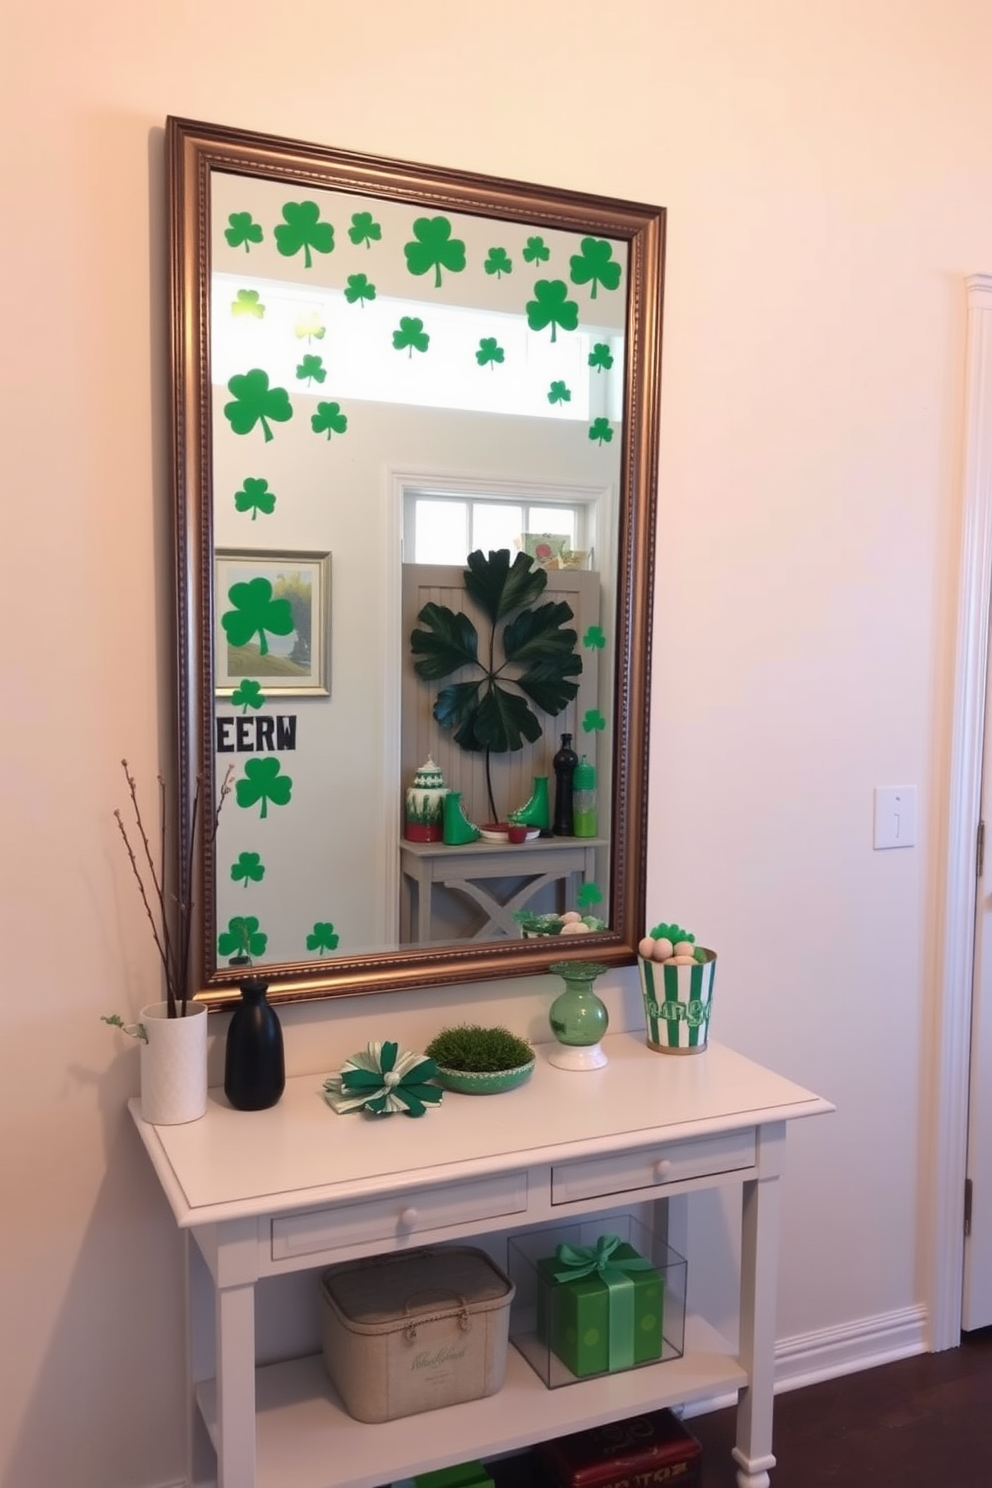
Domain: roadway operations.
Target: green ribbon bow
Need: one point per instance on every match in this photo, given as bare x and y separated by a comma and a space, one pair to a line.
601, 1261
382, 1079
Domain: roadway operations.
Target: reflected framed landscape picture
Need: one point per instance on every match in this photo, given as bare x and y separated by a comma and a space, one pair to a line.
273, 621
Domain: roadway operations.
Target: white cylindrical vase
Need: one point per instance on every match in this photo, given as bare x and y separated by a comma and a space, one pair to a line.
173, 1064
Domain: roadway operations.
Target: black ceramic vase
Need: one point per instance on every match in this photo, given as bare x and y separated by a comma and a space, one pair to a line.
254, 1065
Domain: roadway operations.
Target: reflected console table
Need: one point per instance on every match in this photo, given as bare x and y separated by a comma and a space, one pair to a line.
476, 868
296, 1188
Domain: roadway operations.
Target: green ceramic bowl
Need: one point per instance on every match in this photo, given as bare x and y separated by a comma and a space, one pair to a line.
486, 1082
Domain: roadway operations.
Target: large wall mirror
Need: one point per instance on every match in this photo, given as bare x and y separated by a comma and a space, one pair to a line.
415, 433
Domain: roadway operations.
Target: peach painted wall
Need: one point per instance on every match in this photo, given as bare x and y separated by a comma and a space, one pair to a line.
827, 173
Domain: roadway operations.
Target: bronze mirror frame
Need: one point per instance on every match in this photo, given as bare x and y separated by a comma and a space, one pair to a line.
194, 151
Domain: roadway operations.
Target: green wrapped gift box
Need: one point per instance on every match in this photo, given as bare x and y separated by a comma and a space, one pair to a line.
600, 1307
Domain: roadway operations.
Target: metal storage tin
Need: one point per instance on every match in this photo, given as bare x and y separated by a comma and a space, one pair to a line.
415, 1331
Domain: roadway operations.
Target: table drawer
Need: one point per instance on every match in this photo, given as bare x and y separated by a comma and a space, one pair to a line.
652, 1167
397, 1216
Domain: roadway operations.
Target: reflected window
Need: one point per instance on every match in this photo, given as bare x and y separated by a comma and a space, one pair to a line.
445, 526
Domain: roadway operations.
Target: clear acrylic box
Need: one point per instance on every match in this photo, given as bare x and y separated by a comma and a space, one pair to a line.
543, 1317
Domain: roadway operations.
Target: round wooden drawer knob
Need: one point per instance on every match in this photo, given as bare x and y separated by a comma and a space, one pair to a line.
662, 1167
408, 1218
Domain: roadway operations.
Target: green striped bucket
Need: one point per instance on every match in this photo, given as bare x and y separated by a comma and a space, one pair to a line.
677, 1002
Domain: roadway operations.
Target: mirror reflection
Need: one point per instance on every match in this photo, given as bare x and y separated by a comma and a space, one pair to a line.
418, 525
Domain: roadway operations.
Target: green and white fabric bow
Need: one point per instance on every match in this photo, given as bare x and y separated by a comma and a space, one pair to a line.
382, 1079
599, 1260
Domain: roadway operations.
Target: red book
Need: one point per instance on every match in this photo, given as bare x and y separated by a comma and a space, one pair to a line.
641, 1452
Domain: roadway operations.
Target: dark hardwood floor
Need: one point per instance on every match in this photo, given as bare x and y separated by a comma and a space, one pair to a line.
924, 1422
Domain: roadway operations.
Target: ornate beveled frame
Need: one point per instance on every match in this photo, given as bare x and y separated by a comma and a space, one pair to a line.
195, 152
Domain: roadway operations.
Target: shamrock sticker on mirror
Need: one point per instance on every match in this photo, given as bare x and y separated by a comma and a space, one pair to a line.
364, 229
263, 783
311, 369
323, 938
595, 265
255, 497
242, 231
248, 694
434, 248
256, 402
552, 307
248, 303
248, 869
242, 937
303, 230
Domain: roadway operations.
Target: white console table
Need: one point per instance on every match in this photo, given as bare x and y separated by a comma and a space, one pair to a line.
299, 1187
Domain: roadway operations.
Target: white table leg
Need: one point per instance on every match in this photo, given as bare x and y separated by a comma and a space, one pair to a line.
235, 1314
759, 1275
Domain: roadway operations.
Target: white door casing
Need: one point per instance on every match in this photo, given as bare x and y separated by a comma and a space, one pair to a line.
948, 1158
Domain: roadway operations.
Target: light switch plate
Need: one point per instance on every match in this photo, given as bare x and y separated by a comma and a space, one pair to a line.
895, 816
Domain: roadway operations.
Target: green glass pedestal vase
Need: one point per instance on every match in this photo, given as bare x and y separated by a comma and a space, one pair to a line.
578, 1017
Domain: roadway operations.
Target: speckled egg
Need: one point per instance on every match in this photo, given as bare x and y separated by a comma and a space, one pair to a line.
684, 948
682, 961
645, 948
663, 949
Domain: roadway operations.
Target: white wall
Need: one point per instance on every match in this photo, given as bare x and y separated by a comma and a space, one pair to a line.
827, 173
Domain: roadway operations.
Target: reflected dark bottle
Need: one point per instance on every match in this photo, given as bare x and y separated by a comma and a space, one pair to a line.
254, 1063
564, 764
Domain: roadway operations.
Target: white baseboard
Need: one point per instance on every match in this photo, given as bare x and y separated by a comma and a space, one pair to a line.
828, 1353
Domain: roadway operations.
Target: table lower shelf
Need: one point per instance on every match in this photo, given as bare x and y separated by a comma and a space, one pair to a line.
305, 1438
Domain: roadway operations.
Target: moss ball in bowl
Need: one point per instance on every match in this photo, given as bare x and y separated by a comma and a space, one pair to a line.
473, 1060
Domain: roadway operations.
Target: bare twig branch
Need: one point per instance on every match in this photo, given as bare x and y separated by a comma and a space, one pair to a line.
172, 927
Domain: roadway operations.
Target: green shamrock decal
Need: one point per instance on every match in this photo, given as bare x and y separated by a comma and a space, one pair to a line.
255, 402
434, 248
489, 351
263, 783
589, 893
498, 262
255, 497
536, 251
311, 369
593, 721
411, 334
248, 694
329, 420
248, 303
256, 613
559, 393
594, 638
551, 306
601, 357
248, 869
595, 265
323, 938
242, 938
310, 327
600, 430
243, 229
358, 290
364, 229
303, 228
